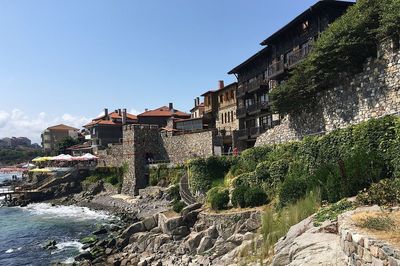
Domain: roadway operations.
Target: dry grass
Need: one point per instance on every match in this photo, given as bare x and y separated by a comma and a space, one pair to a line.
390, 235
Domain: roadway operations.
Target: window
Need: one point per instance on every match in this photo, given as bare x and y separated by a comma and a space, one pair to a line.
305, 25
221, 98
225, 118
227, 96
222, 118
263, 98
229, 117
249, 102
265, 121
232, 117
232, 94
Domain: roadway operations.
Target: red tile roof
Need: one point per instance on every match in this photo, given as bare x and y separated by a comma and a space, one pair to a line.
164, 111
62, 127
115, 115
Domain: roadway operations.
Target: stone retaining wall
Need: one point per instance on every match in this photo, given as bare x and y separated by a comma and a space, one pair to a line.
112, 156
371, 94
364, 250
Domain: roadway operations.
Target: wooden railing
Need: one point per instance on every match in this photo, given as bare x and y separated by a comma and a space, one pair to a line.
299, 55
275, 69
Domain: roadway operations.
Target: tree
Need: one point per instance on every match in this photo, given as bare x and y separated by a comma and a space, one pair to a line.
66, 143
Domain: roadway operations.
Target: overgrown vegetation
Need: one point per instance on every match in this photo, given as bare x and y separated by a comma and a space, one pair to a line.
110, 175
276, 225
218, 198
332, 212
384, 193
65, 143
164, 175
202, 172
339, 52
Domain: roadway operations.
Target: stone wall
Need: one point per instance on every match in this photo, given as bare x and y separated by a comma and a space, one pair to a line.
141, 142
370, 94
183, 147
362, 249
111, 156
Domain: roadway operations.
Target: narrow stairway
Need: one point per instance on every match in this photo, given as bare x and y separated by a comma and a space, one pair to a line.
184, 191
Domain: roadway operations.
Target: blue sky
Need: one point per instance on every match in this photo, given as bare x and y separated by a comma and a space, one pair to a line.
65, 60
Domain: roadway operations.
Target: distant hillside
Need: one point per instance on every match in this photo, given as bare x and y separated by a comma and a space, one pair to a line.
18, 155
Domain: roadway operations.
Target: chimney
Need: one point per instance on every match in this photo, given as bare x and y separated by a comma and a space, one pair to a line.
119, 112
195, 102
171, 106
221, 84
106, 113
123, 116
198, 101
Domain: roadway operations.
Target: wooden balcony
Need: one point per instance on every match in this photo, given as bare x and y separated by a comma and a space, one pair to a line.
241, 112
275, 69
243, 134
297, 56
257, 131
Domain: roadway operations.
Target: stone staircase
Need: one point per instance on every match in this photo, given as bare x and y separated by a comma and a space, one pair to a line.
184, 191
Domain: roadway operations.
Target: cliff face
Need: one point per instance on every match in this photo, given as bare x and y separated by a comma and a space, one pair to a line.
373, 93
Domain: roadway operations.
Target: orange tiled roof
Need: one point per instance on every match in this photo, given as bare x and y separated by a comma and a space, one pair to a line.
102, 122
62, 127
115, 115
164, 111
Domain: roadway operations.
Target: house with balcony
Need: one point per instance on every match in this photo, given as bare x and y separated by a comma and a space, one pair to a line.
163, 116
220, 110
263, 71
106, 129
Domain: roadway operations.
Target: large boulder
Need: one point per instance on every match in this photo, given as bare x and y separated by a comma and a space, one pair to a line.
180, 232
149, 223
193, 241
205, 244
190, 208
169, 224
133, 229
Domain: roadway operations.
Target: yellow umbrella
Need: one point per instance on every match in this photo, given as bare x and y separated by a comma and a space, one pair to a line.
40, 170
42, 159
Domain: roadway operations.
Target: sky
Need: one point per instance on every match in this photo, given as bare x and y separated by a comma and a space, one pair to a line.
65, 61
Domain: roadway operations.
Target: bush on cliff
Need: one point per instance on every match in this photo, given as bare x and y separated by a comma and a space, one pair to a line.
238, 197
218, 198
110, 175
384, 193
202, 172
255, 197
164, 175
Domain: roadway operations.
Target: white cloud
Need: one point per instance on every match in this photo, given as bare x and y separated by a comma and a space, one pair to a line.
134, 111
19, 124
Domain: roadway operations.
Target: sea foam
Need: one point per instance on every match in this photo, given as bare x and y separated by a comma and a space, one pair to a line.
61, 211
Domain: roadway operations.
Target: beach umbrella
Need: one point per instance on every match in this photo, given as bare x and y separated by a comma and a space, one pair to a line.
42, 159
40, 170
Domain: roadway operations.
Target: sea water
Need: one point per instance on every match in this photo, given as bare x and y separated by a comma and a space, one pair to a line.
24, 231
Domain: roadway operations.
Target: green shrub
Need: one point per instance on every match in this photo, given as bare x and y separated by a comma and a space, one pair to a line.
292, 190
378, 223
110, 175
255, 197
262, 171
384, 193
238, 196
246, 179
331, 212
250, 158
173, 192
178, 206
218, 198
165, 175
278, 170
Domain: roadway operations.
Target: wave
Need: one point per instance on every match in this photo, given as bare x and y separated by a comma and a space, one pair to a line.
11, 250
70, 244
61, 211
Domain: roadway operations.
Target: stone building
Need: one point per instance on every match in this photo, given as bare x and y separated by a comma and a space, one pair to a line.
220, 111
259, 74
53, 135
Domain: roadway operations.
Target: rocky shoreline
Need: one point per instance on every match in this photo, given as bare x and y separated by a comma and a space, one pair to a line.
150, 233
